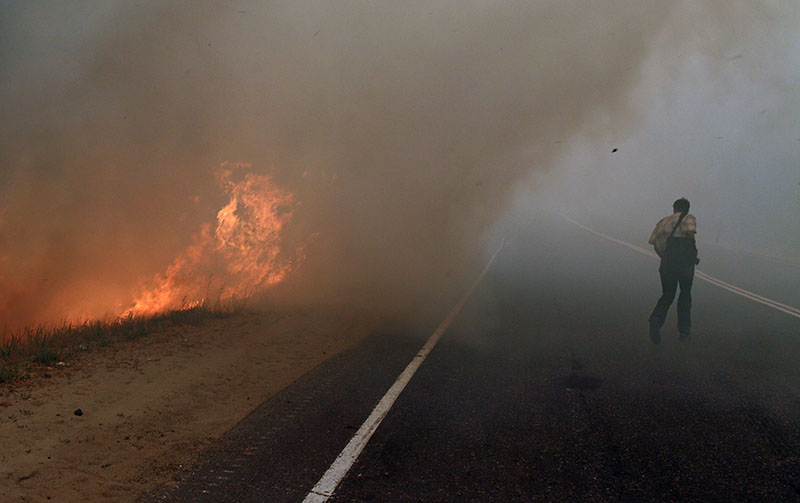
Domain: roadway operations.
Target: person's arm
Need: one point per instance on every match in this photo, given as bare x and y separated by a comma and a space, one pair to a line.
691, 231
690, 226
653, 236
654, 239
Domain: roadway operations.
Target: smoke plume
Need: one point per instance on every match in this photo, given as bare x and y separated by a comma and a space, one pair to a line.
398, 128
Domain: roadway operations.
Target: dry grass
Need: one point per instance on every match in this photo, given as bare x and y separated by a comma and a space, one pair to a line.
52, 345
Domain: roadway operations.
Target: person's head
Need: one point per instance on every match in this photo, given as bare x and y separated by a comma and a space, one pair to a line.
681, 205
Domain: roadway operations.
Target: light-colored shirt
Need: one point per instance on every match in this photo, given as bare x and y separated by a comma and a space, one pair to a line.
687, 229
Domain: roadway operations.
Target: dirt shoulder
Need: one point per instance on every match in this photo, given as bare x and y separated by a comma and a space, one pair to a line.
148, 407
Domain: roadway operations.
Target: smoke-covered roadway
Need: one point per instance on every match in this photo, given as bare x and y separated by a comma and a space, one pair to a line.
545, 388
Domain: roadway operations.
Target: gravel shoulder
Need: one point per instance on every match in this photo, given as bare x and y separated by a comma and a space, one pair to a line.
120, 421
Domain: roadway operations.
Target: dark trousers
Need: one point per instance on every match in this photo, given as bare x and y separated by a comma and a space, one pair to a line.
671, 277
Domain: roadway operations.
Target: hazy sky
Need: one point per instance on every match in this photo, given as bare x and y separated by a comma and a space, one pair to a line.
402, 128
721, 128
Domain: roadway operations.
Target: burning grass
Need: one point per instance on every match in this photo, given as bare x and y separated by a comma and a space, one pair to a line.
55, 345
244, 249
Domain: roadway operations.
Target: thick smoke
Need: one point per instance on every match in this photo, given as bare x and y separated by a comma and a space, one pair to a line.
400, 127
717, 123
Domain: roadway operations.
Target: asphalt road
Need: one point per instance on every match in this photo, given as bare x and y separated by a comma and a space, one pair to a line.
545, 388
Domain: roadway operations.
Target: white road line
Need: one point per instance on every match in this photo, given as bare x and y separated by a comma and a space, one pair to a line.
792, 311
344, 461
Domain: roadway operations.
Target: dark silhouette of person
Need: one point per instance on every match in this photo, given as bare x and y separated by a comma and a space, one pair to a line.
673, 240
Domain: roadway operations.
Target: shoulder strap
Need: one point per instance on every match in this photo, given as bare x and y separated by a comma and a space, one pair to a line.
680, 219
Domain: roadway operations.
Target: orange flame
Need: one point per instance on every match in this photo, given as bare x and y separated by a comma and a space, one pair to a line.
242, 252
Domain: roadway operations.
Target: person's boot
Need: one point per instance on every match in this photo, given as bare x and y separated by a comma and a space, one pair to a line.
685, 336
655, 332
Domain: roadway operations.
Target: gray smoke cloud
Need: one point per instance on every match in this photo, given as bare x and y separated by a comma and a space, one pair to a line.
717, 123
400, 127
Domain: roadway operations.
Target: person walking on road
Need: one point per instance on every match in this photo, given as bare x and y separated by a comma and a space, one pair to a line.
673, 240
